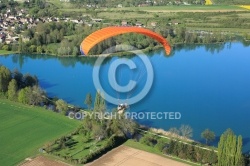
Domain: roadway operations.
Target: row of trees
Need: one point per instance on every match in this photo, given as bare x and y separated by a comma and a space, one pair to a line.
190, 152
229, 149
183, 150
185, 132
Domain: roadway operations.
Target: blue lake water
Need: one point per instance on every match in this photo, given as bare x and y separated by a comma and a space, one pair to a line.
209, 85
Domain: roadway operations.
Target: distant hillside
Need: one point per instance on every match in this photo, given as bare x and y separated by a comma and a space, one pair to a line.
232, 2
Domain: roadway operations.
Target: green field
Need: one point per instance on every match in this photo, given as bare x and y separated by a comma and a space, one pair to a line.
67, 7
61, 5
186, 8
25, 129
3, 52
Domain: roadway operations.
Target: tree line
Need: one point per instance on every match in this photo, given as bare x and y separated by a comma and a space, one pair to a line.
229, 151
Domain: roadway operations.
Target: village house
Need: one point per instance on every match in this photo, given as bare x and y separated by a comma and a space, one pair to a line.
19, 13
175, 22
124, 23
97, 19
75, 21
9, 22
153, 24
138, 24
9, 41
23, 20
31, 26
25, 38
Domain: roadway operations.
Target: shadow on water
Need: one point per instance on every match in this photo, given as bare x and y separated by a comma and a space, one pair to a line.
246, 141
67, 99
146, 122
45, 84
216, 141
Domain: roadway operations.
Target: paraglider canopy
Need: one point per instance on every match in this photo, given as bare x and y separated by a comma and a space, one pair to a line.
105, 33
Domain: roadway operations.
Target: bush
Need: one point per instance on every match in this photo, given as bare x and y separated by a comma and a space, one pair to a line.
5, 47
161, 144
148, 139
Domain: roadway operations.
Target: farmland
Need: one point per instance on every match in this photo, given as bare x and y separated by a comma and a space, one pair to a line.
245, 6
185, 8
126, 155
25, 129
209, 2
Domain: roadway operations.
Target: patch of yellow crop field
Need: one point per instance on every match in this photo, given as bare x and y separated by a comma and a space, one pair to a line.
209, 2
245, 6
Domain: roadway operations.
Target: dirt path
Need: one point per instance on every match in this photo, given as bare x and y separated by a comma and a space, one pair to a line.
124, 156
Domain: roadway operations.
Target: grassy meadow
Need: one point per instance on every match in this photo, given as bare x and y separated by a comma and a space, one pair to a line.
78, 146
4, 52
25, 129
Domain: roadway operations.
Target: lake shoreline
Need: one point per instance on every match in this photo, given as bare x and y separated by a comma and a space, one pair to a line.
123, 53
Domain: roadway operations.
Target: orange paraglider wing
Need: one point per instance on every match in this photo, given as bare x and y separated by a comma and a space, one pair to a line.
105, 33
